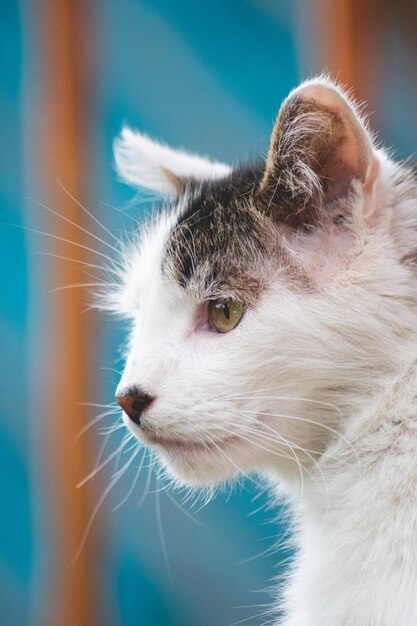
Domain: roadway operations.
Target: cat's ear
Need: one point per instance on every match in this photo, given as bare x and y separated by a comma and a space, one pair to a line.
144, 163
320, 149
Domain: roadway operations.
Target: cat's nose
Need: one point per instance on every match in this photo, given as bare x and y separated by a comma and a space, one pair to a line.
133, 402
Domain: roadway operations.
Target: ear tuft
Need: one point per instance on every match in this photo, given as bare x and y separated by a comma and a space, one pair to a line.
145, 163
319, 146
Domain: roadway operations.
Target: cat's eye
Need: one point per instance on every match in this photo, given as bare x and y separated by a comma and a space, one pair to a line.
224, 315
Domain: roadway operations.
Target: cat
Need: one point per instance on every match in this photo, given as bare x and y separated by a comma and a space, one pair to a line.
273, 329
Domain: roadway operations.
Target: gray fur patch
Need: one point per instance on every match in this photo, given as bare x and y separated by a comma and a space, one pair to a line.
221, 246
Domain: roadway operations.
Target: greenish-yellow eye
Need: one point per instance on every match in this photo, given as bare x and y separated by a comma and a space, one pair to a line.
224, 315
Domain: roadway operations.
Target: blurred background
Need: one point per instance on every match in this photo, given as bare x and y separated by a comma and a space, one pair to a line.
206, 76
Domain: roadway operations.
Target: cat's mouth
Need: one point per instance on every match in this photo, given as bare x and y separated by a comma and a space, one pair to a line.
177, 445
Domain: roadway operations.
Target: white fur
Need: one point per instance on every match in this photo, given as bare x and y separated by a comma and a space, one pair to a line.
143, 162
313, 387
358, 549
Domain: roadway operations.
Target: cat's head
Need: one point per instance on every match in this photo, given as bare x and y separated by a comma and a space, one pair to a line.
256, 293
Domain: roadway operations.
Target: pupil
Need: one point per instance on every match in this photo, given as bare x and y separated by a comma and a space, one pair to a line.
226, 311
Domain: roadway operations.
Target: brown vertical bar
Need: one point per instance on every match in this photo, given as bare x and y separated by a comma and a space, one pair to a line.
62, 150
334, 39
346, 34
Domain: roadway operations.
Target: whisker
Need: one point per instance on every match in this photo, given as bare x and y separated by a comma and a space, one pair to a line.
80, 228
93, 217
161, 534
102, 406
253, 396
146, 487
283, 455
102, 448
73, 243
111, 369
301, 468
228, 458
277, 437
309, 421
101, 465
304, 419
319, 453
183, 511
251, 617
92, 422
267, 552
247, 429
97, 507
82, 285
314, 461
139, 469
123, 211
83, 263
134, 444
107, 430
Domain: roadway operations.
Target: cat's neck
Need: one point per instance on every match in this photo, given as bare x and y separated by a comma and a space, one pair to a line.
357, 560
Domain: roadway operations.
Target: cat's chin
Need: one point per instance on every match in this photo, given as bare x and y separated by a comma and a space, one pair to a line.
192, 468
194, 463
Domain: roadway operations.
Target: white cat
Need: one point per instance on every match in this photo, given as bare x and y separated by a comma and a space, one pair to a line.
274, 328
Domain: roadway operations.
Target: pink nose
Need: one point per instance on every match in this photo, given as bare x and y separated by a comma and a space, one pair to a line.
134, 402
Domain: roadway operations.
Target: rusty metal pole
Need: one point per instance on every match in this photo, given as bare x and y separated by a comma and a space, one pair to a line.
347, 36
61, 153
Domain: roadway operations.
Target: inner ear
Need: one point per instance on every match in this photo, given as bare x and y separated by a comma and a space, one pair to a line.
345, 151
319, 146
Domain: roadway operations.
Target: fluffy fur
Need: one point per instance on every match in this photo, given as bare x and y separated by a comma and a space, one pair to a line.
314, 387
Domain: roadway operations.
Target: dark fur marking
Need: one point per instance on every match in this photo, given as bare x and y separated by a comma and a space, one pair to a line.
223, 239
231, 225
